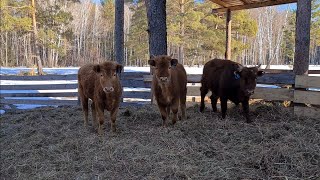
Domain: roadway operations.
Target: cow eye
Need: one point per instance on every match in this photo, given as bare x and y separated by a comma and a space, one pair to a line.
101, 75
114, 74
169, 67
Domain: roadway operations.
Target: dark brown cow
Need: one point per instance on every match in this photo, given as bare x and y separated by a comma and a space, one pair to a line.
101, 84
169, 86
228, 80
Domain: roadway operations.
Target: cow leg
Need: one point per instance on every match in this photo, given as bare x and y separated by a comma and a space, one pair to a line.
183, 106
100, 113
245, 106
204, 91
164, 114
174, 109
214, 100
94, 114
168, 111
85, 108
224, 106
113, 115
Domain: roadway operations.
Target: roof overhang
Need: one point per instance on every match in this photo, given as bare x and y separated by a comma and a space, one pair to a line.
234, 5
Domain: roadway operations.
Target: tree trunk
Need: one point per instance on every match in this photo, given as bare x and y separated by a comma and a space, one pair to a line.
182, 31
35, 36
157, 27
118, 29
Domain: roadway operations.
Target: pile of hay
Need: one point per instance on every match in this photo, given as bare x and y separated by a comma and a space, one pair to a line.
51, 143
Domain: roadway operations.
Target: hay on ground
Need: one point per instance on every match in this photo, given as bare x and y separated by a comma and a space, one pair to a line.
51, 143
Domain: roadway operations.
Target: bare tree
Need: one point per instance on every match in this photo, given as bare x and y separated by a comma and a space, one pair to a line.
35, 36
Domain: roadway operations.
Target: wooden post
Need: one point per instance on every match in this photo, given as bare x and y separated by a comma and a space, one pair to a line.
119, 23
228, 35
301, 56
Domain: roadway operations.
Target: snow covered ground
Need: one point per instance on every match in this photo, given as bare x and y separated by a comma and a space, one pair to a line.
74, 70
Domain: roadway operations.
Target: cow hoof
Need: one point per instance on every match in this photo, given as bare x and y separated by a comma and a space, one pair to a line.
114, 129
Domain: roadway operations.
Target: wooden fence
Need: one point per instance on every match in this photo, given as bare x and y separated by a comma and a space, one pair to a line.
285, 86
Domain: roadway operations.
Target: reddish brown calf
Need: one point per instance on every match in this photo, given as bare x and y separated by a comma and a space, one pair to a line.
169, 85
100, 83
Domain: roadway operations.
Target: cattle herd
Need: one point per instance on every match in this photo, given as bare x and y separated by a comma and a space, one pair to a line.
226, 80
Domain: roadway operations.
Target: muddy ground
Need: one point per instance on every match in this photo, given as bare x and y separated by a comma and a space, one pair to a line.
51, 143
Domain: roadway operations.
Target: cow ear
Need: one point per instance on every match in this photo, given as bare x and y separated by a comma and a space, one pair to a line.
260, 73
174, 62
96, 68
119, 68
152, 62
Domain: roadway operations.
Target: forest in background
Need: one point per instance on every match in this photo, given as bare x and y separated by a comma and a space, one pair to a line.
73, 32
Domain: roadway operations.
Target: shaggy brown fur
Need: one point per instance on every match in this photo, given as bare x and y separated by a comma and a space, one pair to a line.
228, 80
101, 84
169, 86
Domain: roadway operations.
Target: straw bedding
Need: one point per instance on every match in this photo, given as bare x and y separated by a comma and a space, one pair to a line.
51, 143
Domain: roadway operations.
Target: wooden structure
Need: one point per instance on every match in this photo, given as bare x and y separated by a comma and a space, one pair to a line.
137, 90
302, 26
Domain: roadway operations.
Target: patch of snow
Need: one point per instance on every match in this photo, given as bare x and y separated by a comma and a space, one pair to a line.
29, 106
2, 111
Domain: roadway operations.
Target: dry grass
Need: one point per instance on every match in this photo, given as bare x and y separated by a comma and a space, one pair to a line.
51, 143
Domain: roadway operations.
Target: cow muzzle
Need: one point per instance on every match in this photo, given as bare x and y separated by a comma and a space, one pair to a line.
164, 79
250, 92
108, 89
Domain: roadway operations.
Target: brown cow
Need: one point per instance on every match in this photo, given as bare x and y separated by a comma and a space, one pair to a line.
100, 83
228, 80
169, 86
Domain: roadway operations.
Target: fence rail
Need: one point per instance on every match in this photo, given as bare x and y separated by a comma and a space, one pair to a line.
137, 87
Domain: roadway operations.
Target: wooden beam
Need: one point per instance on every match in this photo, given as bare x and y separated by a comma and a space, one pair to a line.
307, 81
303, 21
253, 5
246, 1
220, 3
228, 36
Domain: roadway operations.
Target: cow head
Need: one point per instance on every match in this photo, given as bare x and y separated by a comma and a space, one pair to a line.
107, 74
162, 67
248, 78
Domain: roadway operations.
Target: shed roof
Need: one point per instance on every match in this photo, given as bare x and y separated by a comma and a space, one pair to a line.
234, 5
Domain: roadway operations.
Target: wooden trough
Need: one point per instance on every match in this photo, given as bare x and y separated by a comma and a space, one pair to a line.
286, 87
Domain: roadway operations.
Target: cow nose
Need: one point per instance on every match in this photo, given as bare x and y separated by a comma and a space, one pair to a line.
164, 79
108, 89
251, 92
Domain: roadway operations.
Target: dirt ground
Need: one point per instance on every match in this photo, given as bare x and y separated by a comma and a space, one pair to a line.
51, 143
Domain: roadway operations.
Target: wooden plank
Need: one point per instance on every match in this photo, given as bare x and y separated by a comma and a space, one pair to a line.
307, 97
193, 91
302, 40
219, 2
135, 83
246, 1
40, 78
40, 102
270, 78
254, 5
124, 75
53, 94
39, 87
303, 81
273, 94
136, 94
312, 112
279, 94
